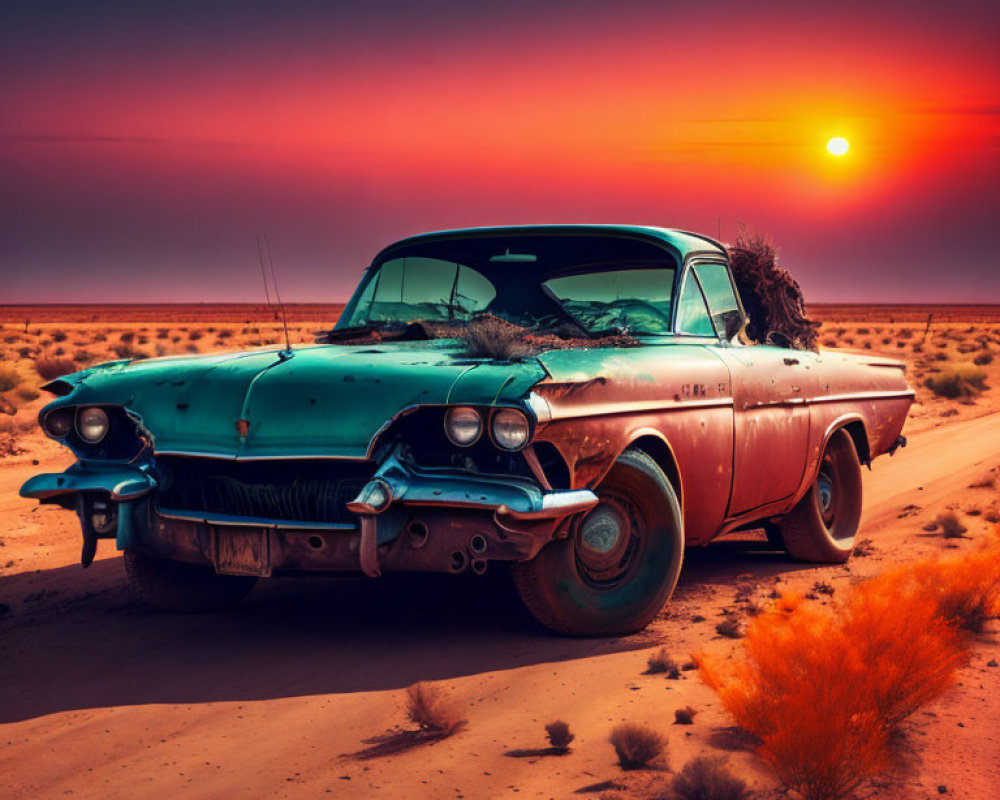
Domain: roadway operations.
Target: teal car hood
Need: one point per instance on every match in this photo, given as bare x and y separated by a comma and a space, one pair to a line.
326, 400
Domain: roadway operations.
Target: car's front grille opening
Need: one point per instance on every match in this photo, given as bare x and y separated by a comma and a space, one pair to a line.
294, 490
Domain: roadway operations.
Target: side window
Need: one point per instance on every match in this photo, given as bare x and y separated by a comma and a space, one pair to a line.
692, 315
719, 293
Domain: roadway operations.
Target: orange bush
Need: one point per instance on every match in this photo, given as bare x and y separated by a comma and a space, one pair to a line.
801, 689
824, 689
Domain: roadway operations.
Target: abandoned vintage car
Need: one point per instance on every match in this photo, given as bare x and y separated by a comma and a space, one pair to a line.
576, 401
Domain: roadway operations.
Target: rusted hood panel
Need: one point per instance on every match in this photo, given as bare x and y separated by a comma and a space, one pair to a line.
323, 401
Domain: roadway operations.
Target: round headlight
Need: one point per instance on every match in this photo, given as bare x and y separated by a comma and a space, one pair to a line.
58, 423
510, 429
92, 424
463, 425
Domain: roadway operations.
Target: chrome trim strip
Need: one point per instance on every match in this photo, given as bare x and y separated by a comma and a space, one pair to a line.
223, 520
640, 406
232, 457
834, 398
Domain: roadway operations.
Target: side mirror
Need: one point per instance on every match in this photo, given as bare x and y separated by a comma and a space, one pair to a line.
732, 321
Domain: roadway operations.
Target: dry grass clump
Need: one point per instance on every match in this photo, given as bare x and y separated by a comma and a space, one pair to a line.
432, 710
636, 745
960, 381
52, 367
771, 297
950, 525
729, 628
26, 393
9, 378
436, 716
660, 663
708, 778
983, 359
492, 337
559, 735
825, 690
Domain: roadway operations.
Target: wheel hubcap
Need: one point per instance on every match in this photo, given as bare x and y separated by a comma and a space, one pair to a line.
825, 492
607, 539
601, 530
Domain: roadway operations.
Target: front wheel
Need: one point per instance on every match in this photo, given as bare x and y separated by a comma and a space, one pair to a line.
619, 565
822, 527
188, 588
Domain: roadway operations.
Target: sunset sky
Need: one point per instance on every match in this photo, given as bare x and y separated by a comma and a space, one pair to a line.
143, 145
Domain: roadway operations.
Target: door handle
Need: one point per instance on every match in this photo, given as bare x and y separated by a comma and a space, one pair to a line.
791, 362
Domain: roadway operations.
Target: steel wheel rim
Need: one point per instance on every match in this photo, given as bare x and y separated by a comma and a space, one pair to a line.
606, 558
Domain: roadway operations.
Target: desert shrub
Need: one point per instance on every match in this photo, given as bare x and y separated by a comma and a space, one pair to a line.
194, 336
636, 745
708, 778
100, 337
162, 333
771, 297
684, 716
962, 380
58, 336
9, 378
824, 691
729, 628
225, 333
50, 367
950, 525
661, 662
966, 588
83, 356
983, 359
559, 735
128, 337
432, 710
25, 352
26, 393
123, 350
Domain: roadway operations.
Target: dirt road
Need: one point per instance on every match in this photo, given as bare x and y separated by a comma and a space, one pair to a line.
100, 698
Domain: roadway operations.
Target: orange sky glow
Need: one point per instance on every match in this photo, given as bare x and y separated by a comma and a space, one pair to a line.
146, 147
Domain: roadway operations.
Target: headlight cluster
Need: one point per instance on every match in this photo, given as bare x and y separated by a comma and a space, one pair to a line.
91, 423
509, 428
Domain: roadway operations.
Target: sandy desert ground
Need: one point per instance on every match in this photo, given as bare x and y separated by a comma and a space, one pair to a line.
101, 697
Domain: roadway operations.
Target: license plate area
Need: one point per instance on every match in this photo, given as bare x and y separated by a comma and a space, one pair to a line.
241, 551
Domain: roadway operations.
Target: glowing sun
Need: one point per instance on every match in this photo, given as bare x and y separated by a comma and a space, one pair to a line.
838, 146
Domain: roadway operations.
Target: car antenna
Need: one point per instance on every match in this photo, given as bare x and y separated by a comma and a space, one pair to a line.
263, 272
287, 352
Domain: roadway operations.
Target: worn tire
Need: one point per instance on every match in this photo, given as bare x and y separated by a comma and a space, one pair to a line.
822, 527
188, 588
619, 587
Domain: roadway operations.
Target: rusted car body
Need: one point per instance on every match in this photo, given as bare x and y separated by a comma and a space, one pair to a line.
362, 453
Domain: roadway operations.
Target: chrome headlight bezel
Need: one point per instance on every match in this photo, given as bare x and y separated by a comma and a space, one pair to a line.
95, 420
59, 422
508, 421
469, 414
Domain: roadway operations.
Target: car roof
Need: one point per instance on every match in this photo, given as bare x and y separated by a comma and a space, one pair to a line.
684, 243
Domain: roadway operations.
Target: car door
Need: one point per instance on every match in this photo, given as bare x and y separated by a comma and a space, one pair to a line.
770, 413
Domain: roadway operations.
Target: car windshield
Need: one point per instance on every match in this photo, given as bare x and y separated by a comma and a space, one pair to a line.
586, 285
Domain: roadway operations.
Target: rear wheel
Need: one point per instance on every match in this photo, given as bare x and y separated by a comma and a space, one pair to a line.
174, 586
822, 527
613, 573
